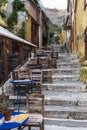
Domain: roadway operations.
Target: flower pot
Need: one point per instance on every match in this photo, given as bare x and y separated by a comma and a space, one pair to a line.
7, 116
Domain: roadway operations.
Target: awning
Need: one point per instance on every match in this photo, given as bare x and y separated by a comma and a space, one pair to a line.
6, 33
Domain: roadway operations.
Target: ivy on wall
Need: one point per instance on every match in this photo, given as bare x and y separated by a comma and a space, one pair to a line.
13, 18
2, 14
3, 2
18, 6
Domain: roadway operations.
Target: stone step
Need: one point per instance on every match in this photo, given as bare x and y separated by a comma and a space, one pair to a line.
66, 124
56, 127
65, 98
66, 112
67, 55
68, 60
66, 71
69, 63
65, 86
71, 77
62, 66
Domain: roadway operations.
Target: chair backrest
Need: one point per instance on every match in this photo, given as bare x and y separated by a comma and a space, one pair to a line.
36, 74
33, 60
35, 103
44, 61
24, 73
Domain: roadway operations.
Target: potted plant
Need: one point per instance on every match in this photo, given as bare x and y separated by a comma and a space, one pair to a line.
7, 113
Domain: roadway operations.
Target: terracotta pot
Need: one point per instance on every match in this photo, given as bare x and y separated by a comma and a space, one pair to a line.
7, 116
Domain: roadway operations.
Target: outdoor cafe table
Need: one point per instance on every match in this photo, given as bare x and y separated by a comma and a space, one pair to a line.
17, 84
16, 121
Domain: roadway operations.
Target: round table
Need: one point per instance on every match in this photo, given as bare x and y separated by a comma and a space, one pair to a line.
11, 125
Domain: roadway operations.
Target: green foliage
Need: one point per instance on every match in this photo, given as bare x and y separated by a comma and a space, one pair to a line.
18, 6
7, 102
12, 20
54, 28
82, 61
83, 74
2, 14
21, 32
3, 2
57, 38
65, 47
51, 34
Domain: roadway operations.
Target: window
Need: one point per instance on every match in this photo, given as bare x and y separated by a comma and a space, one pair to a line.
85, 4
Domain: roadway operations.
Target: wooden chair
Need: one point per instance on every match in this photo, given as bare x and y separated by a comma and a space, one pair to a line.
33, 60
36, 76
35, 108
52, 63
46, 76
44, 61
24, 73
55, 54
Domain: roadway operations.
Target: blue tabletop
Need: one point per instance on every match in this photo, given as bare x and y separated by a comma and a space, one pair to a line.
11, 125
20, 81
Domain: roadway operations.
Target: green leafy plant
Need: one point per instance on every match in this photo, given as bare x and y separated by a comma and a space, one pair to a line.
12, 19
57, 38
18, 6
3, 2
6, 103
21, 32
2, 14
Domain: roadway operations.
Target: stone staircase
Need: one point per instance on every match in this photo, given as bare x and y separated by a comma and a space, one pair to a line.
66, 97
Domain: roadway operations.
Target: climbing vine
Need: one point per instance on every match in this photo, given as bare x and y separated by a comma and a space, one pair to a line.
3, 2
12, 19
18, 6
21, 32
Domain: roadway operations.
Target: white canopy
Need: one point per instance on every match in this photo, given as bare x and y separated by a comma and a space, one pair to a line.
6, 33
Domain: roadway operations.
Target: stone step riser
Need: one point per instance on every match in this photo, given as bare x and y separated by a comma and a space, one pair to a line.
72, 58
68, 60
66, 71
58, 79
63, 88
66, 115
65, 103
61, 103
62, 66
67, 124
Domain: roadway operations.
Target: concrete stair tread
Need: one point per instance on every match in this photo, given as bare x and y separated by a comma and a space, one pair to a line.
69, 63
56, 127
65, 96
65, 83
52, 108
66, 75
67, 123
67, 69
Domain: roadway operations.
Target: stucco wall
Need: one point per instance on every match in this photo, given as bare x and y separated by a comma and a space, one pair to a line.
28, 29
63, 36
80, 25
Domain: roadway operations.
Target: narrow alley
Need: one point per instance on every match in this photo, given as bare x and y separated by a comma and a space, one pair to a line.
43, 65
